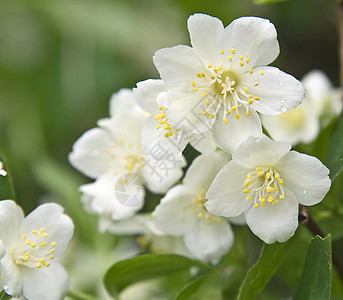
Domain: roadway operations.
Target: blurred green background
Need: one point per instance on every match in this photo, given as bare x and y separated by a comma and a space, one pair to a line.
61, 60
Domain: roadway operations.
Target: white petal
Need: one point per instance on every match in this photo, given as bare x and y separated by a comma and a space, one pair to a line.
225, 195
306, 176
260, 151
253, 38
10, 277
206, 34
278, 91
89, 152
300, 124
174, 215
160, 174
185, 112
274, 223
203, 142
146, 94
209, 242
155, 143
203, 169
104, 198
58, 226
178, 67
11, 216
230, 136
45, 283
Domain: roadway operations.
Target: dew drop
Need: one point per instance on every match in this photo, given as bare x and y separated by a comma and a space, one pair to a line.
5, 287
282, 101
281, 83
283, 108
304, 191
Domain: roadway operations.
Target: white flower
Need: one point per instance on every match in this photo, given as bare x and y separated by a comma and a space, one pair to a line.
112, 154
151, 96
182, 212
2, 170
28, 248
223, 77
267, 181
302, 124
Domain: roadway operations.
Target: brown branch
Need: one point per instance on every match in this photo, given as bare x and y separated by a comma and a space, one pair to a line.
306, 219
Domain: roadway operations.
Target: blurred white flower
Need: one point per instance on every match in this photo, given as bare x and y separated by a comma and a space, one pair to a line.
182, 211
223, 79
28, 247
266, 181
302, 124
112, 155
2, 170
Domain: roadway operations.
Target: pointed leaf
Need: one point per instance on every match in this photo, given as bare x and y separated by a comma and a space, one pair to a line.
315, 282
147, 266
259, 275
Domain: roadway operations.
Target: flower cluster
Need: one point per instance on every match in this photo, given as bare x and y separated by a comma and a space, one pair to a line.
211, 95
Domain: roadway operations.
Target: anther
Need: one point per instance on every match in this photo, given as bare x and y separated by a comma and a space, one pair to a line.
237, 116
232, 50
225, 121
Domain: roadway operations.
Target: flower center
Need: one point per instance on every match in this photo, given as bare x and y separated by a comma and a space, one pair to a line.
163, 123
35, 249
225, 86
123, 157
264, 185
201, 212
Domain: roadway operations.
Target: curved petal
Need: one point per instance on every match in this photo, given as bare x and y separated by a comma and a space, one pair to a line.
206, 34
11, 216
10, 277
209, 242
274, 223
258, 151
45, 283
162, 172
203, 142
254, 38
89, 152
300, 124
277, 90
306, 176
203, 169
58, 226
146, 94
178, 67
229, 136
225, 194
174, 215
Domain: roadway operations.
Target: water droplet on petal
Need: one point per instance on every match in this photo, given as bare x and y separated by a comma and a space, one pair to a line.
5, 287
282, 101
304, 191
281, 83
283, 108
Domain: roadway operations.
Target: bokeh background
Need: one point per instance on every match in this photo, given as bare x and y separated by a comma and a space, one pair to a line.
60, 61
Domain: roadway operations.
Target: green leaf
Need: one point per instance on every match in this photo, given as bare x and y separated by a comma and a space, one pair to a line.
146, 266
334, 154
259, 275
192, 287
315, 282
6, 188
4, 296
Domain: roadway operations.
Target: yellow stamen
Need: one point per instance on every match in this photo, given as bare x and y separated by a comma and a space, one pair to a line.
222, 52
237, 116
230, 58
232, 50
261, 73
256, 84
225, 121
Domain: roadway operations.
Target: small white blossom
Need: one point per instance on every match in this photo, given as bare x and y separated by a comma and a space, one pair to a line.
28, 248
223, 78
182, 211
266, 181
112, 155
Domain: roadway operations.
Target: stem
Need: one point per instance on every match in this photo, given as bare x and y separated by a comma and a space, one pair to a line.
306, 219
340, 33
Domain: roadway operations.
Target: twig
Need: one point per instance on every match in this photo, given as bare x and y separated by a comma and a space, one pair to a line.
306, 219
